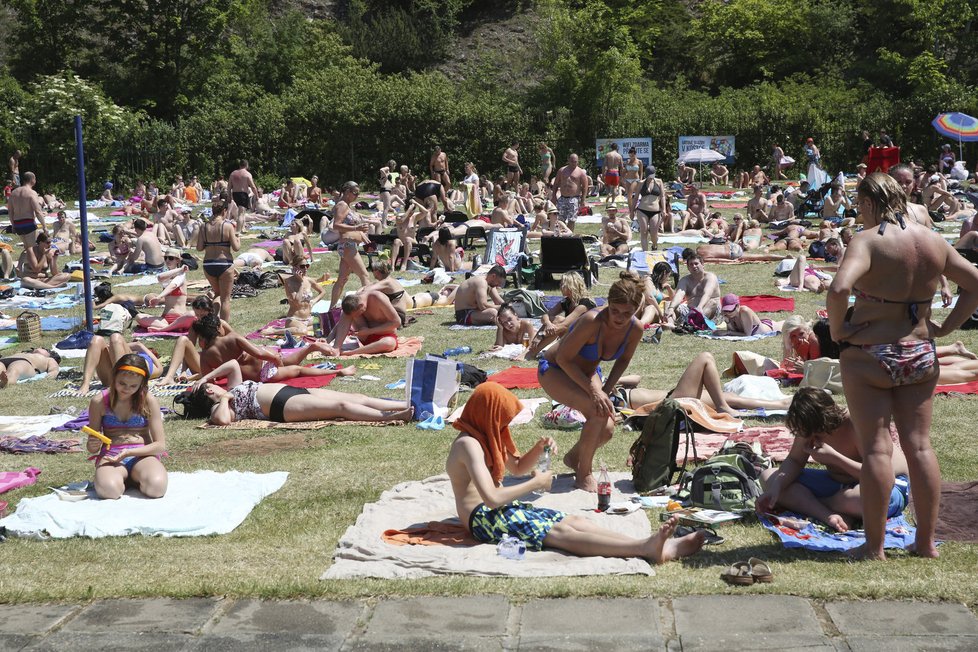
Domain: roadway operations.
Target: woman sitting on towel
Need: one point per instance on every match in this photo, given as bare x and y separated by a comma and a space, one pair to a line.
510, 329
302, 294
130, 416
741, 319
701, 380
173, 297
247, 399
658, 293
569, 371
562, 316
482, 454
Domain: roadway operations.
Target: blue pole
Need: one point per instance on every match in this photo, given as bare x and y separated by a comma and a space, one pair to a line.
83, 205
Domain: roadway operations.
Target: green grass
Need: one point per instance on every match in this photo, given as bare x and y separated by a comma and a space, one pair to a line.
287, 542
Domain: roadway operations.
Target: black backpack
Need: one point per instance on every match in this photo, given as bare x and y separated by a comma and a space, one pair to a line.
653, 455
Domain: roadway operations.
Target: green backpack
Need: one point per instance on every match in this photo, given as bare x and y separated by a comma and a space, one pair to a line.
653, 455
728, 482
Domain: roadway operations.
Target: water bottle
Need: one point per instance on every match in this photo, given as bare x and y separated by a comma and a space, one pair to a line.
511, 548
458, 350
543, 464
604, 489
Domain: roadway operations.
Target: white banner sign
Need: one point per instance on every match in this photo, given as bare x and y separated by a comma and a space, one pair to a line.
723, 144
643, 148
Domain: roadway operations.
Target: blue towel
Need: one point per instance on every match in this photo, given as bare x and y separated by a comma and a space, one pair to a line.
899, 534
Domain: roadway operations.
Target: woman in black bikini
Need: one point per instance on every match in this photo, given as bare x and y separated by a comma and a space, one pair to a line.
28, 365
650, 208
219, 240
283, 403
888, 357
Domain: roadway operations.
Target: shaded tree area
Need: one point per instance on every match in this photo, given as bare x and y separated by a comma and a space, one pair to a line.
192, 85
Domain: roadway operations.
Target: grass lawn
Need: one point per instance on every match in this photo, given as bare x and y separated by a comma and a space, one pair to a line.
287, 542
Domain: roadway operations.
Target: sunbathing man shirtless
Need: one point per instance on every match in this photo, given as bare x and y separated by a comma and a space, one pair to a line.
825, 435
699, 289
479, 458
370, 316
758, 206
18, 366
438, 166
478, 298
782, 210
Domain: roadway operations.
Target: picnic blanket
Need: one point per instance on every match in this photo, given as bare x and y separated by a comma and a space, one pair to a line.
959, 504
10, 480
362, 551
768, 303
195, 504
517, 378
820, 538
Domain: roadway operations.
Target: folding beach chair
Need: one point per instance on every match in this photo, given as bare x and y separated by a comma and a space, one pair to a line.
561, 255
507, 247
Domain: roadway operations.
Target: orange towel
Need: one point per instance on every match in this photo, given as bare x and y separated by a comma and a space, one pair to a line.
435, 533
486, 417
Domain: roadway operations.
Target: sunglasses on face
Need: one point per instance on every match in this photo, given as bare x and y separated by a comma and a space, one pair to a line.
171, 257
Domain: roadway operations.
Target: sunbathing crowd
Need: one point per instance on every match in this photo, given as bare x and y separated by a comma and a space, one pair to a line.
885, 342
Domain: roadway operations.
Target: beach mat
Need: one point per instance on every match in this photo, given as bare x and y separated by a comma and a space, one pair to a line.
956, 520
517, 378
768, 303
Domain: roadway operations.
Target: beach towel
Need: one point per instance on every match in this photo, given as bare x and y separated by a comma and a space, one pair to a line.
699, 412
506, 352
406, 347
959, 389
37, 444
259, 424
734, 337
362, 551
145, 334
959, 505
820, 538
149, 279
195, 504
31, 426
517, 378
10, 480
433, 533
48, 324
768, 303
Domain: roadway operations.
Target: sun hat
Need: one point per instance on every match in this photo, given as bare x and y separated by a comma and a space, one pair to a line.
729, 302
173, 252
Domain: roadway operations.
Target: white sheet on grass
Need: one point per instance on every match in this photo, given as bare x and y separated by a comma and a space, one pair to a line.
32, 426
195, 504
140, 282
362, 553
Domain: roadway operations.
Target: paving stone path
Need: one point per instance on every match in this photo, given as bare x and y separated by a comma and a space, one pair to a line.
727, 622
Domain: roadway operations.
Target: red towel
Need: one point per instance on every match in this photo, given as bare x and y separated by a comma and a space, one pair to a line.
768, 303
962, 388
517, 378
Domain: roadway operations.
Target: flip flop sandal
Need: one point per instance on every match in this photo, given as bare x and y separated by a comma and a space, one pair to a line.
712, 538
739, 574
760, 571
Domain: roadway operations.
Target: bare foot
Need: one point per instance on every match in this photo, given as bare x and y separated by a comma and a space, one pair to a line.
587, 483
401, 415
3, 379
837, 522
729, 410
963, 352
662, 547
346, 371
929, 553
862, 553
83, 390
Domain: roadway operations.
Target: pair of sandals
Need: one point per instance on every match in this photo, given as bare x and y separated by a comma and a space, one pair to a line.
432, 423
745, 573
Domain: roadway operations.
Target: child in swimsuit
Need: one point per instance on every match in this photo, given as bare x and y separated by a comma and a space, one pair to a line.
130, 416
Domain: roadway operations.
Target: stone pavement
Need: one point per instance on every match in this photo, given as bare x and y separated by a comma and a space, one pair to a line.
722, 622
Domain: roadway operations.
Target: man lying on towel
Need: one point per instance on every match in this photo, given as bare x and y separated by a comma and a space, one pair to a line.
824, 433
484, 451
372, 318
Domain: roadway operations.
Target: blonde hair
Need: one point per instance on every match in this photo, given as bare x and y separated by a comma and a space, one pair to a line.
752, 224
886, 196
792, 323
574, 284
627, 289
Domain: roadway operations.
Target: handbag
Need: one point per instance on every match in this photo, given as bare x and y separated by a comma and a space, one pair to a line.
432, 386
823, 373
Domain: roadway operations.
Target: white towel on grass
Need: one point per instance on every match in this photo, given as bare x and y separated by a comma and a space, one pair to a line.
139, 282
32, 426
195, 504
362, 552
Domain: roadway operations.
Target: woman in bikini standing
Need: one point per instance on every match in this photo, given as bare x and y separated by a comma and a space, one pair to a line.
569, 373
632, 181
546, 162
888, 357
650, 207
353, 232
219, 240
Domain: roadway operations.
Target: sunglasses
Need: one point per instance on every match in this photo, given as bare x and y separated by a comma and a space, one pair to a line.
171, 257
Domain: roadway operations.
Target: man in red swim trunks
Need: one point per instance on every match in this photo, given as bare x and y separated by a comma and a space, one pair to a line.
612, 171
372, 318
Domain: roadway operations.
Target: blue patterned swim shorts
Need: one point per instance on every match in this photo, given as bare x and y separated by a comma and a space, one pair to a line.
524, 521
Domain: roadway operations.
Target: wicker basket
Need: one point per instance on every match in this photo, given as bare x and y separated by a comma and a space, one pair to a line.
29, 327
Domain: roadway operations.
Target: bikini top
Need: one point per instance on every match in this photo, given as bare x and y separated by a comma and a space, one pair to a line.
653, 190
632, 168
136, 423
911, 305
219, 243
592, 351
178, 292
